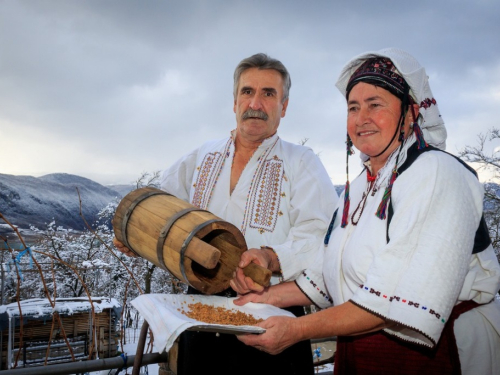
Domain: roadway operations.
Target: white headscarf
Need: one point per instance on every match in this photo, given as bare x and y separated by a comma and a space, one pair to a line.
430, 122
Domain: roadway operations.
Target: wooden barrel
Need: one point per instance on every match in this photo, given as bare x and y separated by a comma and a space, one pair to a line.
193, 244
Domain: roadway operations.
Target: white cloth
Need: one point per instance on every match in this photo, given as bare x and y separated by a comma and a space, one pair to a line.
478, 344
163, 312
426, 268
284, 198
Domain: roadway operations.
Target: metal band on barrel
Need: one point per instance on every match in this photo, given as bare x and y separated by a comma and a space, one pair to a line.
129, 211
186, 243
166, 228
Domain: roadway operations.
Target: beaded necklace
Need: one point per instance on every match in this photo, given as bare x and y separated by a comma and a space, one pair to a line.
361, 205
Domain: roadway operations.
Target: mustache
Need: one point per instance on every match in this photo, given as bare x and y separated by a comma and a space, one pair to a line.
255, 114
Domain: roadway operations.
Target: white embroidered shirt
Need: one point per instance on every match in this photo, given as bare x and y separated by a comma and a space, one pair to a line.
284, 198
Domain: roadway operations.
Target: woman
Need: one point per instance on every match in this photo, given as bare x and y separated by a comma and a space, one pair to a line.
408, 265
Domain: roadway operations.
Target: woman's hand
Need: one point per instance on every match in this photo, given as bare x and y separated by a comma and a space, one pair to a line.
346, 319
281, 333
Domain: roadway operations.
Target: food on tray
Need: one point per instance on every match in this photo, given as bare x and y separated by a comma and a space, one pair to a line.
218, 315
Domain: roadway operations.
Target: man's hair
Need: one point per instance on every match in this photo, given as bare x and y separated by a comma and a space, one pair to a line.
262, 61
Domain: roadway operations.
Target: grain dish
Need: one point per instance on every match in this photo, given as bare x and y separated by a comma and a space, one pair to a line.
219, 315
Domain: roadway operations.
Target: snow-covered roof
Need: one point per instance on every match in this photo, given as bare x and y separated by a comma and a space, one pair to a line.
40, 308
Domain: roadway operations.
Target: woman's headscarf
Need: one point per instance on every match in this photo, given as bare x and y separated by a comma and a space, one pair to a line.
402, 74
414, 74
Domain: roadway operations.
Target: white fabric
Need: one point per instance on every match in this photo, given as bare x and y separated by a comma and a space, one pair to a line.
284, 198
163, 312
478, 340
430, 121
427, 263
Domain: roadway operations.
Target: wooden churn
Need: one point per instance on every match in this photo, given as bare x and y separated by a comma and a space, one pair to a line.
193, 244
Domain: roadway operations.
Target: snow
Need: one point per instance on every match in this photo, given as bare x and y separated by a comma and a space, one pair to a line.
94, 263
26, 200
38, 307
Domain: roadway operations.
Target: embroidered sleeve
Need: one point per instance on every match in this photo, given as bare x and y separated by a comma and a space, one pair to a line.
177, 179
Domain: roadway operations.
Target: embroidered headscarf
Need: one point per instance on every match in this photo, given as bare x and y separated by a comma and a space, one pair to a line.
414, 74
379, 71
402, 75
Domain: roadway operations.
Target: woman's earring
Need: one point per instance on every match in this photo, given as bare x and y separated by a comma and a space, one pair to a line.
350, 150
420, 136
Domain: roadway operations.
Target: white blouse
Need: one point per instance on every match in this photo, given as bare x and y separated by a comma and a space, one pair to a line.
426, 268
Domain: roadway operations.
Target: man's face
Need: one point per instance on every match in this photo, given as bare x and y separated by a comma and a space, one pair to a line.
258, 104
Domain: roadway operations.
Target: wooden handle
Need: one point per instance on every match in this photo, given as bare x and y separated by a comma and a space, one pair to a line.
258, 274
202, 253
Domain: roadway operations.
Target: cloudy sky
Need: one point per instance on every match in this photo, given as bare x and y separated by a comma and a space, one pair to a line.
110, 89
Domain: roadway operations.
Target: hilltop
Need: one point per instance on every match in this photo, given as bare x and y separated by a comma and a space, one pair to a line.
27, 200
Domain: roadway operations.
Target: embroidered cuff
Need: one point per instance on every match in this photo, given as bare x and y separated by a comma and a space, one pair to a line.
313, 287
418, 322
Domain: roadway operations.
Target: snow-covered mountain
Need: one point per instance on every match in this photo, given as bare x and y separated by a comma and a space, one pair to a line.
26, 200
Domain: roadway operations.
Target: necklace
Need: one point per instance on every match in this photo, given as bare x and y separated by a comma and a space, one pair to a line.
361, 205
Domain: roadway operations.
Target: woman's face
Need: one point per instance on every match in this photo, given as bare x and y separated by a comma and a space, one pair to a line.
372, 119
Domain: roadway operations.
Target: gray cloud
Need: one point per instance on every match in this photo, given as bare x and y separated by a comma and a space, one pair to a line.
109, 89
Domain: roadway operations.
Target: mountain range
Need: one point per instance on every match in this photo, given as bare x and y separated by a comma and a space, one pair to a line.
27, 200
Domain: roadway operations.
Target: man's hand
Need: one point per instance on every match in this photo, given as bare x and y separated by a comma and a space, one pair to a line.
266, 296
243, 284
125, 250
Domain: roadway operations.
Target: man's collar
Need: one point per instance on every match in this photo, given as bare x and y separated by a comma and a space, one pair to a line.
265, 143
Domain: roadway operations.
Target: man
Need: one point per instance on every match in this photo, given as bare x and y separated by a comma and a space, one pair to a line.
277, 193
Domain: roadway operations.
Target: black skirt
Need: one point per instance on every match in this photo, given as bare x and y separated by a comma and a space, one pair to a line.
224, 354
